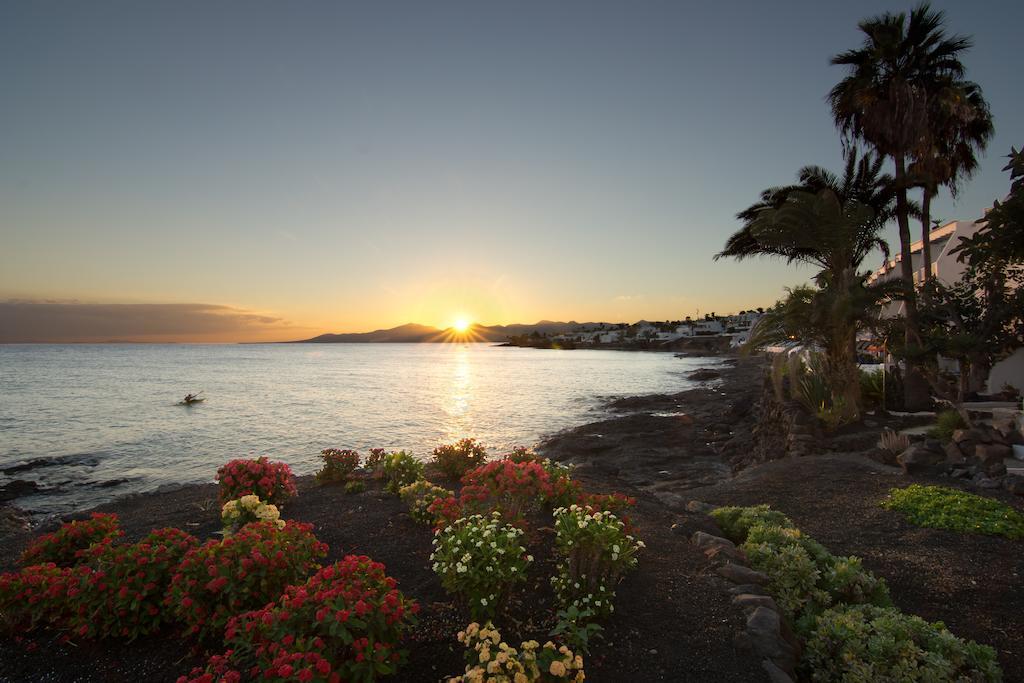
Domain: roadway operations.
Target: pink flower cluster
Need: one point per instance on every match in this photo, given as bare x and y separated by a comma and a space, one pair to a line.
343, 624
458, 458
338, 464
65, 546
271, 481
242, 572
117, 590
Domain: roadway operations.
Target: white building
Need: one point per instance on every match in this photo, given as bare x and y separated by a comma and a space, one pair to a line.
946, 268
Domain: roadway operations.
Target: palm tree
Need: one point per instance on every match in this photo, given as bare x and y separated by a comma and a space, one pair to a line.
835, 233
961, 125
888, 99
862, 181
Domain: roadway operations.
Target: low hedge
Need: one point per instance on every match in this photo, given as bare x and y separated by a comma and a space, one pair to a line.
843, 611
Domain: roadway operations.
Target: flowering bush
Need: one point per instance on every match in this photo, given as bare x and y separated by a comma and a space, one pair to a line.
270, 481
338, 465
242, 572
513, 489
522, 454
594, 553
616, 503
419, 495
65, 546
375, 462
444, 511
401, 469
491, 660
36, 596
345, 623
116, 590
479, 560
868, 643
458, 458
124, 592
237, 513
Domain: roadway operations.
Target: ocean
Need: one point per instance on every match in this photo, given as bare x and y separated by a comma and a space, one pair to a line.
88, 423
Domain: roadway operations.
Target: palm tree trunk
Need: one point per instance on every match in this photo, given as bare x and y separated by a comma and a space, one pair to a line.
915, 386
926, 237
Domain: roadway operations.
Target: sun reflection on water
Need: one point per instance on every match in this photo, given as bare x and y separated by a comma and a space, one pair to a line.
458, 393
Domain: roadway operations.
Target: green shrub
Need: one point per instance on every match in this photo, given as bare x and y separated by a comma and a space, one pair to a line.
940, 507
876, 385
868, 643
792, 576
804, 577
66, 546
947, 422
460, 457
401, 469
782, 536
355, 486
737, 521
419, 495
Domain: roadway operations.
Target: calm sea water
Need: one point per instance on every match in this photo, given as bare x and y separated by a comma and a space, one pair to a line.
92, 422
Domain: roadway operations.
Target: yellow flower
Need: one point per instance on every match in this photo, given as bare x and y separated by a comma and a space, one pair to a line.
557, 668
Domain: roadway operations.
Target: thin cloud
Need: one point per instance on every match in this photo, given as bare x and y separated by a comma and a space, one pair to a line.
68, 322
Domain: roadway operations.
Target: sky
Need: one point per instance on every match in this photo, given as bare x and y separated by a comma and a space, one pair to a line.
242, 171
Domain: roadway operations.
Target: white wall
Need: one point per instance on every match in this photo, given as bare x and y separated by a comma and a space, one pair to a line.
1008, 371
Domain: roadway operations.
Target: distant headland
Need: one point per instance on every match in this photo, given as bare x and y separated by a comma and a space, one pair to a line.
712, 332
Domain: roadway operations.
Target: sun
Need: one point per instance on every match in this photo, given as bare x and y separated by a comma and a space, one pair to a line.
460, 325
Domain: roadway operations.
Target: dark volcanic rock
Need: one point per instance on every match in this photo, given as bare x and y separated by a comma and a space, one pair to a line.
704, 375
16, 489
921, 457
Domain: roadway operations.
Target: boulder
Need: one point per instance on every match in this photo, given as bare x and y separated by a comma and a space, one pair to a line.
700, 507
991, 457
954, 456
752, 601
920, 458
775, 674
748, 589
737, 573
704, 541
1014, 484
17, 488
764, 629
703, 375
720, 553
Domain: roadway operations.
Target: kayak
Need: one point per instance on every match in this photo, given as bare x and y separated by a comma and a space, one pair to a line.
191, 401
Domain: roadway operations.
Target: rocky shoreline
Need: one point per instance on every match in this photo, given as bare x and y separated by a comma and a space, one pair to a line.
670, 442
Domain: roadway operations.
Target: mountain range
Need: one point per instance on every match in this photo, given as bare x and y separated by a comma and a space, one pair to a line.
415, 333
